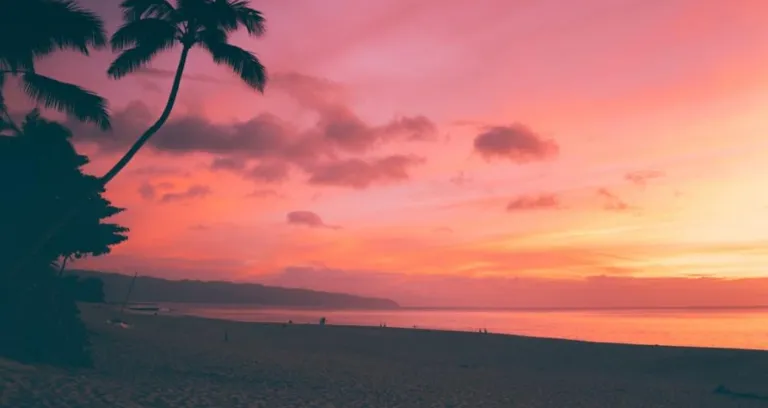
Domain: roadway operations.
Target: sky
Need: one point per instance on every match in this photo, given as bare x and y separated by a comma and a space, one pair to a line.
494, 153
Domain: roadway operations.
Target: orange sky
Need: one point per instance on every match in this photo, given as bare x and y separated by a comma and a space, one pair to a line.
486, 153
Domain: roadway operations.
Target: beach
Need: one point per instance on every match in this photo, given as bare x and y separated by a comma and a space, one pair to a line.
172, 361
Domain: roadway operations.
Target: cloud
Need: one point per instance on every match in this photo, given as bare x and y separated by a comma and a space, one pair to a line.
264, 171
167, 73
192, 192
460, 179
641, 178
542, 201
360, 174
612, 202
228, 163
148, 191
159, 171
200, 227
268, 172
340, 127
254, 147
263, 193
309, 219
149, 86
515, 142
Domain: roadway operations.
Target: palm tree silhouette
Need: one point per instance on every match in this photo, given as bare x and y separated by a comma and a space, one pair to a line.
30, 29
153, 26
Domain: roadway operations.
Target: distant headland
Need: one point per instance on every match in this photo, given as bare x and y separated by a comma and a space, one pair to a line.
151, 289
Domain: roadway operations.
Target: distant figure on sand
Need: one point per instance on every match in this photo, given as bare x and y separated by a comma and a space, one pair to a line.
322, 321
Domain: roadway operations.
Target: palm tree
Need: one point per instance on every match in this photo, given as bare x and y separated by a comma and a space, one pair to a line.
153, 26
30, 29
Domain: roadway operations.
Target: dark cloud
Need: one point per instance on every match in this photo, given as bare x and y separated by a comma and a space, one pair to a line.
228, 163
192, 192
641, 178
516, 142
612, 202
265, 171
542, 201
307, 218
253, 147
412, 127
149, 191
269, 172
343, 129
360, 174
200, 227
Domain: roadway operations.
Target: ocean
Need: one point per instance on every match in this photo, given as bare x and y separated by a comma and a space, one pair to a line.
722, 328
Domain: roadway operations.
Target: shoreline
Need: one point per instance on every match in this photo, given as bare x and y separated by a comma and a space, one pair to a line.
441, 330
592, 326
186, 361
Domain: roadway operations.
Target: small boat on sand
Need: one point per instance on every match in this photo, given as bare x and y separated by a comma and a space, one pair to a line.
145, 307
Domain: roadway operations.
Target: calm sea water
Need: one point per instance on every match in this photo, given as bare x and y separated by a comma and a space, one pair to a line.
729, 328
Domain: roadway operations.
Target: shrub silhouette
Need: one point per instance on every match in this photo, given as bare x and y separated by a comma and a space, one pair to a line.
40, 173
41, 321
87, 290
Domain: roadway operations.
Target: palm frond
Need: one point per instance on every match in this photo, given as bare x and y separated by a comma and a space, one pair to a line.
131, 60
137, 9
235, 13
244, 63
144, 32
69, 26
34, 28
80, 103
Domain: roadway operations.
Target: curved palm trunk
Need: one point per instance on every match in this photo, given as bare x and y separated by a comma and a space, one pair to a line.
73, 211
155, 127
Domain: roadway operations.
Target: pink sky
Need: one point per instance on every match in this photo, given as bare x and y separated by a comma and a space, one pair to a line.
486, 153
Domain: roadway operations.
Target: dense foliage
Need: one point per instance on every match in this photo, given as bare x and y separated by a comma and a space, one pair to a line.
41, 173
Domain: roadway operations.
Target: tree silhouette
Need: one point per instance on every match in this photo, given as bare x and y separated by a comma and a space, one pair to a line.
153, 26
31, 29
41, 175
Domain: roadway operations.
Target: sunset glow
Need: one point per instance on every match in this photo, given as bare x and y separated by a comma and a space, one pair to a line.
490, 153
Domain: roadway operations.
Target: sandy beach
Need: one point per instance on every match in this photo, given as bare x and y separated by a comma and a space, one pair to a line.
164, 361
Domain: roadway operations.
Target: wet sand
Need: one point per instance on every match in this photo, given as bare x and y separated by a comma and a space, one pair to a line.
164, 361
